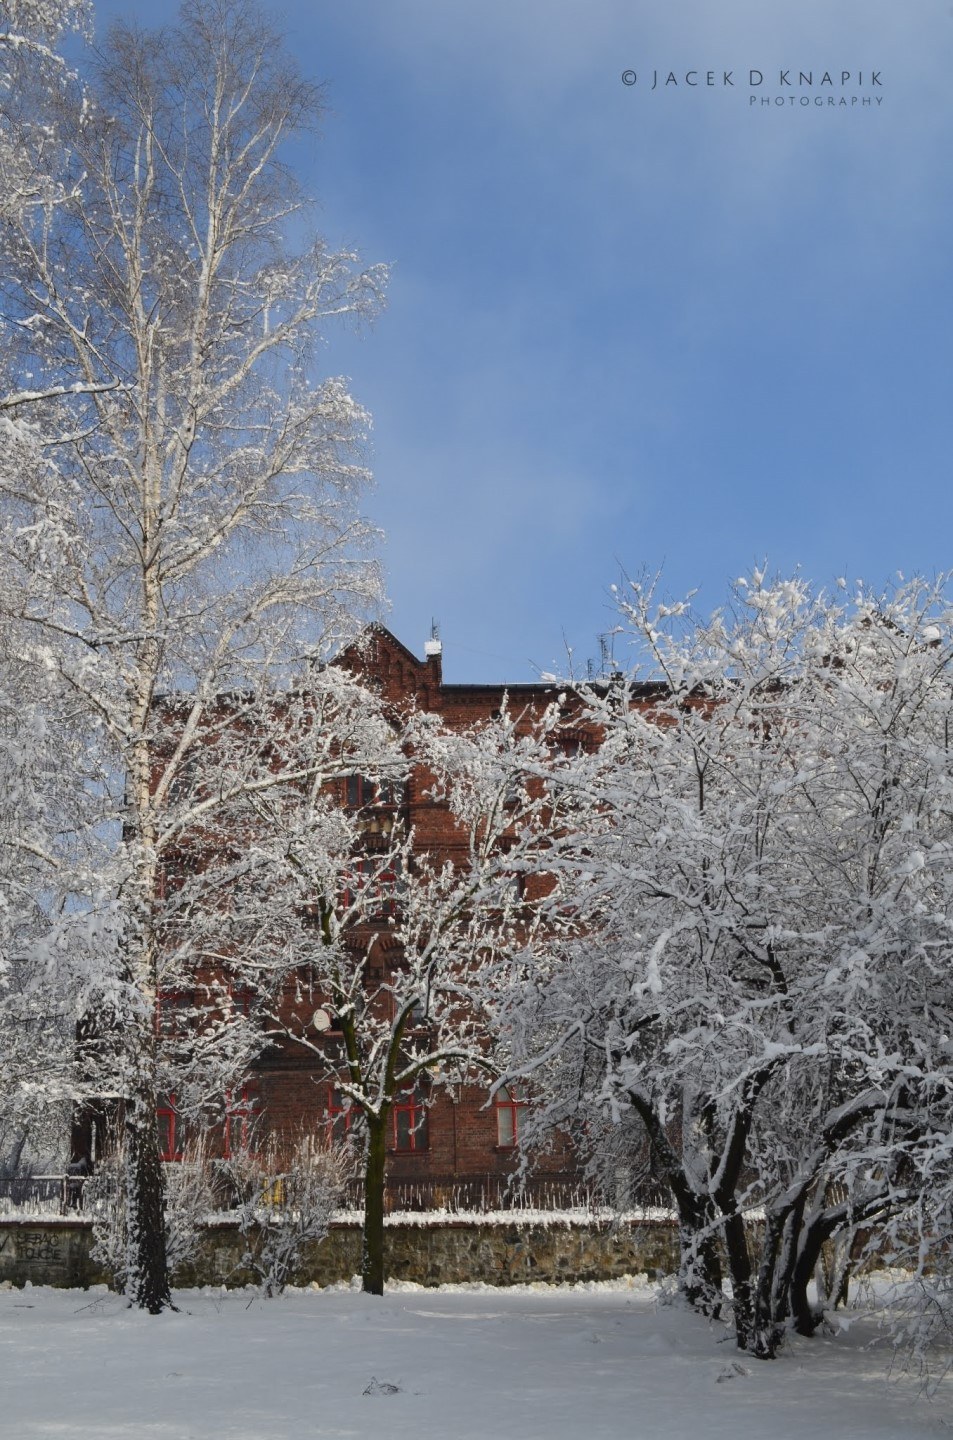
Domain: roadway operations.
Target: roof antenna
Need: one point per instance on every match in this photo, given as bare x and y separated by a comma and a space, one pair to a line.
433, 645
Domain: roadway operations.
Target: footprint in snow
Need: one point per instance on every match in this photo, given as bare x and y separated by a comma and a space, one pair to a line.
380, 1387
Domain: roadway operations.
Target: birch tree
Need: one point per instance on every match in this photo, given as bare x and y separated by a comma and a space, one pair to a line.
33, 80
200, 530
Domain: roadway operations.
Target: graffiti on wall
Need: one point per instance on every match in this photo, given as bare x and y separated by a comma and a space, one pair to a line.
40, 1246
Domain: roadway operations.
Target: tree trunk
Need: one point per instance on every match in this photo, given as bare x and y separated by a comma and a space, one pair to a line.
699, 1273
806, 1318
739, 1267
372, 1250
147, 1284
826, 1228
699, 1269
772, 1296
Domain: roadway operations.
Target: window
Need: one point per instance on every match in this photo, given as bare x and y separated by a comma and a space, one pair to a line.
387, 883
375, 804
359, 792
417, 1019
571, 743
173, 1011
513, 888
183, 785
376, 882
340, 1116
171, 1129
411, 1128
241, 1000
507, 1108
512, 790
239, 1119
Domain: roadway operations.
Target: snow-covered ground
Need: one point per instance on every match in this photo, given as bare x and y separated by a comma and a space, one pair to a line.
601, 1362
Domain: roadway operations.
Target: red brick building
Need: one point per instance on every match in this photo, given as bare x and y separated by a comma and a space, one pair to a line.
453, 1145
448, 1145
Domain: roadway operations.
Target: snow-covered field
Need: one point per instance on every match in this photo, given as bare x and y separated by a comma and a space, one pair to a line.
589, 1363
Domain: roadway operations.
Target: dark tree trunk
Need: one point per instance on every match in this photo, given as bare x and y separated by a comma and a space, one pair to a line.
700, 1264
699, 1270
765, 1333
783, 1234
739, 1268
825, 1227
148, 1271
372, 1250
806, 1318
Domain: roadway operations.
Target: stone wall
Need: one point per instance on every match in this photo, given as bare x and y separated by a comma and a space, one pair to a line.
508, 1253
47, 1252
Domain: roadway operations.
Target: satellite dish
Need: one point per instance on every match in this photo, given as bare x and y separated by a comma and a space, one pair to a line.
321, 1021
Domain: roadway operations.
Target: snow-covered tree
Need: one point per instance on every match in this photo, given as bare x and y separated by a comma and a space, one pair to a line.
199, 532
763, 980
344, 912
35, 1007
36, 1014
33, 80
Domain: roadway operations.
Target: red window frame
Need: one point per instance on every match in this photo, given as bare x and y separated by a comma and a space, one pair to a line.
506, 1107
410, 1124
379, 883
170, 1129
240, 998
340, 1116
239, 1121
170, 1023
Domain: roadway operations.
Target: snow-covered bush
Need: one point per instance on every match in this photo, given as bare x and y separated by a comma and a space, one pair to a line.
283, 1202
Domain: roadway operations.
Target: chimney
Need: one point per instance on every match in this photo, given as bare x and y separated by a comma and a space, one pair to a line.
434, 653
433, 650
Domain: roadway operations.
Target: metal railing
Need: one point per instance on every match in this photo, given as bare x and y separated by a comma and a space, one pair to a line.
479, 1194
452, 1194
41, 1193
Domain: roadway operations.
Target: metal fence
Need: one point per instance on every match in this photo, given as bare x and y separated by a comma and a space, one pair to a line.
37, 1192
475, 1195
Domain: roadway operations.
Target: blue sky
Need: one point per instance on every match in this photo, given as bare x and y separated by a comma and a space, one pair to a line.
630, 328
